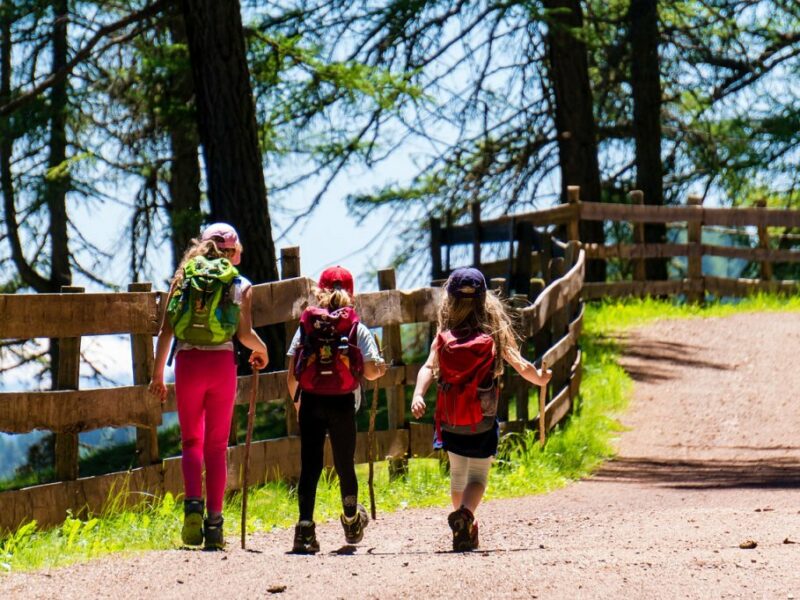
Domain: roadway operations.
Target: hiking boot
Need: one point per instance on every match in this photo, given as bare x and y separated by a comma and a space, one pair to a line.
192, 532
215, 540
462, 521
474, 536
305, 538
354, 526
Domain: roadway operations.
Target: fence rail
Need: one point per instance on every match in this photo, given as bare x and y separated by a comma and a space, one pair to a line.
529, 251
550, 320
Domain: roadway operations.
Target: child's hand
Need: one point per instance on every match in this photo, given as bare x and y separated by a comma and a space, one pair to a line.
158, 389
418, 406
258, 359
544, 377
382, 367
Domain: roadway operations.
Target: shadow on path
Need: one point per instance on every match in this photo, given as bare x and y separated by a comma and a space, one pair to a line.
703, 474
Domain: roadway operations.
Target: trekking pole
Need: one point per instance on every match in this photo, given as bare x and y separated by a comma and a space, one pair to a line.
371, 441
542, 402
251, 413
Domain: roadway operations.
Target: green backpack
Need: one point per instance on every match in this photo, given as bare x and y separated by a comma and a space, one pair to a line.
202, 311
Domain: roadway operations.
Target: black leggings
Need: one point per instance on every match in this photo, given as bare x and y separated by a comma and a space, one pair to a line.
337, 416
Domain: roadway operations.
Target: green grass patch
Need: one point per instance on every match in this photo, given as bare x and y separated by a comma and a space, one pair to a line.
573, 450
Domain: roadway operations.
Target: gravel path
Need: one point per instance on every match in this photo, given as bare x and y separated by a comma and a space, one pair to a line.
711, 460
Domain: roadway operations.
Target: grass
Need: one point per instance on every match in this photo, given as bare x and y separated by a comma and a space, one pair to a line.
573, 450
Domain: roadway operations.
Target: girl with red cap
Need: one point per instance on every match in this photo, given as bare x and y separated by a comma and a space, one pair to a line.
474, 337
209, 303
327, 357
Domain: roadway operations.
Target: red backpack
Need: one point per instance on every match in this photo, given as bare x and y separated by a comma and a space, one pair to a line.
328, 360
467, 394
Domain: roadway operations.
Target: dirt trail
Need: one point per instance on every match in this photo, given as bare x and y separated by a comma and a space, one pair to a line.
712, 458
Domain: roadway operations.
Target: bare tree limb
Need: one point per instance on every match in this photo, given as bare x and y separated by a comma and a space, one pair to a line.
82, 54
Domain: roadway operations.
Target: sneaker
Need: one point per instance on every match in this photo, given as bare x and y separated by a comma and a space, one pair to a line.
192, 532
462, 522
215, 540
305, 538
354, 526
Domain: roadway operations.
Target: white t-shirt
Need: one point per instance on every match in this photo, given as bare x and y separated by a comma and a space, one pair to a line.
366, 343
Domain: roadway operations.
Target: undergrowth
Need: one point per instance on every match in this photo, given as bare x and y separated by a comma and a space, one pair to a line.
572, 451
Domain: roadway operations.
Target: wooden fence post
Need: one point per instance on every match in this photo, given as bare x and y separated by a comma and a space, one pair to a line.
436, 249
639, 273
518, 385
142, 363
558, 328
475, 208
522, 266
694, 230
541, 339
763, 243
68, 378
546, 255
499, 286
574, 225
290, 267
396, 394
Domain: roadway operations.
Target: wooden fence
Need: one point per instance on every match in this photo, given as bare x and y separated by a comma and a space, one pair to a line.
530, 250
549, 318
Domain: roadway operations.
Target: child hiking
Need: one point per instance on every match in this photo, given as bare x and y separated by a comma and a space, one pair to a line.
209, 303
474, 337
328, 355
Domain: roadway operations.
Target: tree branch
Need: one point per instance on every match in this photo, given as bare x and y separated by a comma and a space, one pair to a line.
81, 55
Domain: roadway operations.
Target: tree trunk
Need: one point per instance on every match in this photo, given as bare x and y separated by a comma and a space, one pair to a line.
226, 121
575, 125
184, 180
646, 89
57, 180
227, 125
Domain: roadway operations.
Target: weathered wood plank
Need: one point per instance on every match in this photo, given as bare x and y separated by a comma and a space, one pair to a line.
728, 217
142, 360
617, 289
755, 217
601, 211
631, 251
566, 343
67, 357
78, 410
721, 286
421, 440
290, 267
558, 407
553, 298
393, 354
48, 504
753, 254
496, 230
24, 316
395, 307
280, 301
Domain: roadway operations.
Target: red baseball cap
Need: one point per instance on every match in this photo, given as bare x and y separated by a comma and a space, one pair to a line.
336, 278
225, 237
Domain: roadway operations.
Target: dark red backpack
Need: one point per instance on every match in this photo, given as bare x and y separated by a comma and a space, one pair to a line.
328, 360
467, 394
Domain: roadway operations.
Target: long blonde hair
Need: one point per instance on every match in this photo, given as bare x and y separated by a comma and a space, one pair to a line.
197, 247
486, 314
332, 299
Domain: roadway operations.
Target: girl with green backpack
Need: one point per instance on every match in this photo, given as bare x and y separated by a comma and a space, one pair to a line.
209, 303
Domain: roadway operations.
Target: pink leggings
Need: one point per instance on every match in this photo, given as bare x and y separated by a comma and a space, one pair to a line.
205, 388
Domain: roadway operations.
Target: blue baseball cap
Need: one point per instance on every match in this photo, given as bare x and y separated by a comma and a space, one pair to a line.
466, 282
